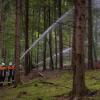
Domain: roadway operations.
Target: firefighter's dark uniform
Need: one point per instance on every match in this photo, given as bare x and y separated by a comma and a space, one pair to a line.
11, 72
4, 73
1, 76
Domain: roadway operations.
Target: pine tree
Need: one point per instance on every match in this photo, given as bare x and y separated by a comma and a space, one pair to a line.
59, 2
90, 36
27, 56
17, 44
79, 88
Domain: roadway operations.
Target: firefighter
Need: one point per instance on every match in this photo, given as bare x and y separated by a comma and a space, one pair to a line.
11, 72
1, 76
2, 73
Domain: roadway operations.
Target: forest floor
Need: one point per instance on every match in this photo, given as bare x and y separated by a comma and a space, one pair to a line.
51, 85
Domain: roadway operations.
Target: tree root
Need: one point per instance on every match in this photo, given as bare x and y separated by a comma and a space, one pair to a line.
88, 93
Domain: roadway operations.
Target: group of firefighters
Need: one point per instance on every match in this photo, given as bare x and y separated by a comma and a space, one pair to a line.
7, 73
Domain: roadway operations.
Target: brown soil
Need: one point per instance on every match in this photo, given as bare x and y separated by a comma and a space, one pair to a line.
34, 74
47, 74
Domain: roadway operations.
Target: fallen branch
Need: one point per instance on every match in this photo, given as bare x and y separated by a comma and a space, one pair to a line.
50, 83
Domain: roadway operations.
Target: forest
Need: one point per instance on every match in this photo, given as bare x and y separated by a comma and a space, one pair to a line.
49, 50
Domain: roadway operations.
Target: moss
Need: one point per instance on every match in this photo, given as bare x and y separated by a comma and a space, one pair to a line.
37, 90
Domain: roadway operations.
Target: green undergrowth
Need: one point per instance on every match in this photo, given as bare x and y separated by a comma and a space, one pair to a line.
48, 89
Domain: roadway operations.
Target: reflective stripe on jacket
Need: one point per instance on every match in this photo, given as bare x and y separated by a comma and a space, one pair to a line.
11, 67
2, 68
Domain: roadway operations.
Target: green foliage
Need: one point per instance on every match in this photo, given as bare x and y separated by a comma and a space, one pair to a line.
35, 7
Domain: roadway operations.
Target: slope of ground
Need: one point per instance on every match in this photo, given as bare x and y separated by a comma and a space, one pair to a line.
53, 86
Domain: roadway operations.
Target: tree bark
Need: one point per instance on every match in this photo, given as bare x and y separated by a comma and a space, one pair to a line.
50, 39
55, 17
60, 36
45, 40
27, 56
1, 28
90, 36
79, 88
17, 44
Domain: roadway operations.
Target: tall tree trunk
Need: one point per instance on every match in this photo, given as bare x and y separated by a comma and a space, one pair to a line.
50, 39
56, 50
45, 40
27, 56
73, 60
0, 20
1, 27
60, 36
4, 52
90, 36
79, 88
17, 44
33, 37
3, 35
55, 17
38, 28
95, 43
